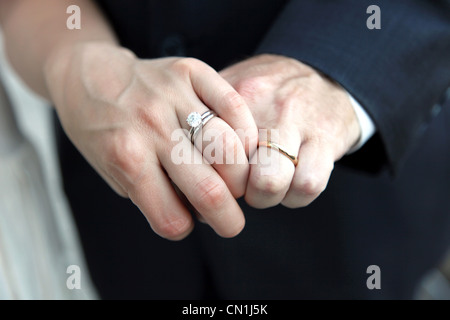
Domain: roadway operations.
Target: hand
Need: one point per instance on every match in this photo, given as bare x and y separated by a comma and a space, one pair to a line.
121, 113
314, 120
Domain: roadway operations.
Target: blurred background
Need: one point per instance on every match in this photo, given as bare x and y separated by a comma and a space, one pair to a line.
38, 240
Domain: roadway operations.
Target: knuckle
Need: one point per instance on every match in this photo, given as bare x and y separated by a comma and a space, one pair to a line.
173, 229
151, 119
124, 152
184, 66
211, 194
310, 186
235, 102
268, 184
251, 87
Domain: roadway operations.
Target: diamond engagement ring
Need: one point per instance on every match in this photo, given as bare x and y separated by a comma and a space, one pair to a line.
197, 122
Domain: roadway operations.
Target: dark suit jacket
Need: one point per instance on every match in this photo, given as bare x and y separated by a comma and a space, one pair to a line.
399, 74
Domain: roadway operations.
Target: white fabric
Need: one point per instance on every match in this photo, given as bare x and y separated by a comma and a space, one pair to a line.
365, 123
38, 239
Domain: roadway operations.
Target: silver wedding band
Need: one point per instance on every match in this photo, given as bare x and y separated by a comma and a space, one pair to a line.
197, 122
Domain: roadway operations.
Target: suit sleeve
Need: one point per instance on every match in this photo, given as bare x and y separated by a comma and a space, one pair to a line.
398, 73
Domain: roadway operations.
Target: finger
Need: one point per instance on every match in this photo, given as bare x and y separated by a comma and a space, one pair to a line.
205, 190
155, 196
311, 176
271, 172
220, 146
220, 96
187, 204
110, 180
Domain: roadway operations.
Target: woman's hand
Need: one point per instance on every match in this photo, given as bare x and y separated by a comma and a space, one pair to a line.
307, 114
121, 113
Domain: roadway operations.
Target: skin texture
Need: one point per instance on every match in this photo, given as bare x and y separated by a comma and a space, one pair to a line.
313, 118
123, 123
121, 113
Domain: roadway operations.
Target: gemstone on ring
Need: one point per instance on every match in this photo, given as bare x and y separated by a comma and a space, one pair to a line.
194, 119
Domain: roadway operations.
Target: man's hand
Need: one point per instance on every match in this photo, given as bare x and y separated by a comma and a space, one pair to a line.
314, 120
121, 112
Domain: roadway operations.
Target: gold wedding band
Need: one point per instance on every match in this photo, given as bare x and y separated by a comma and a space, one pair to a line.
276, 146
